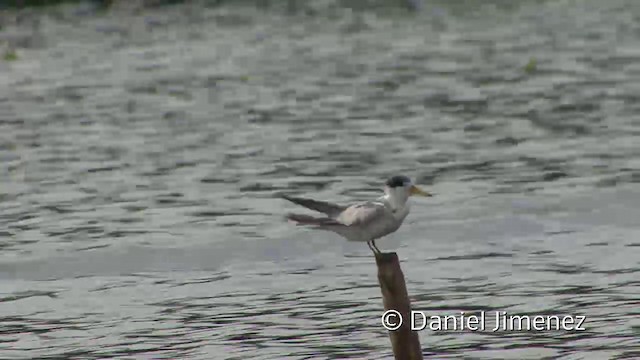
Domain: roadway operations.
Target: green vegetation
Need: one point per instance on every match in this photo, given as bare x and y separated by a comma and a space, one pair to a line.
10, 55
531, 66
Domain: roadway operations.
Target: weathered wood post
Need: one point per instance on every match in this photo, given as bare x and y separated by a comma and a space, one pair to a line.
405, 343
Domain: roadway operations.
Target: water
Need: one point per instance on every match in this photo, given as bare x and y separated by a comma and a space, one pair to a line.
142, 155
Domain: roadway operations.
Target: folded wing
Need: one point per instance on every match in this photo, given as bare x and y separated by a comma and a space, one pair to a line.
330, 209
362, 215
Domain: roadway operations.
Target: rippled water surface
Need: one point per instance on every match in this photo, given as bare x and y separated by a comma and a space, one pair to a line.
141, 158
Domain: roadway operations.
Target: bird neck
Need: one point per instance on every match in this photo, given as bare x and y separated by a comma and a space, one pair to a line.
395, 202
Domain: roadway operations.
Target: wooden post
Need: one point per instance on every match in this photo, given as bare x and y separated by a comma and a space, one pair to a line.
405, 343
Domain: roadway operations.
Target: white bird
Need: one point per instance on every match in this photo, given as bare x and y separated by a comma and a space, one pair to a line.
366, 221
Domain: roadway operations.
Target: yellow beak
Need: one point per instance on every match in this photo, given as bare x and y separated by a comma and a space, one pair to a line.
417, 191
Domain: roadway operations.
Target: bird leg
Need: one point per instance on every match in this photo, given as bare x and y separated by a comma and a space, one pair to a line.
373, 242
372, 249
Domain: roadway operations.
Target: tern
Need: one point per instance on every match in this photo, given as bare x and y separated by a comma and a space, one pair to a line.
365, 221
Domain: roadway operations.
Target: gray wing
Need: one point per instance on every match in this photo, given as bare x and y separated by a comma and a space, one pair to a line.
363, 215
330, 209
368, 221
358, 222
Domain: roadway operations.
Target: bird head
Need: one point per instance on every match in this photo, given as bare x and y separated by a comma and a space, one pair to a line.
399, 188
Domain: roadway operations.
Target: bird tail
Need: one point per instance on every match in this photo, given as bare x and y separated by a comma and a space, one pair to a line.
323, 223
301, 219
331, 210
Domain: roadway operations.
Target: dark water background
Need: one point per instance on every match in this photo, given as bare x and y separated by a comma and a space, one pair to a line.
141, 155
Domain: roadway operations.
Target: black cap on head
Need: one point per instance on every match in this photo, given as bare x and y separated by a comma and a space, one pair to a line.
398, 180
